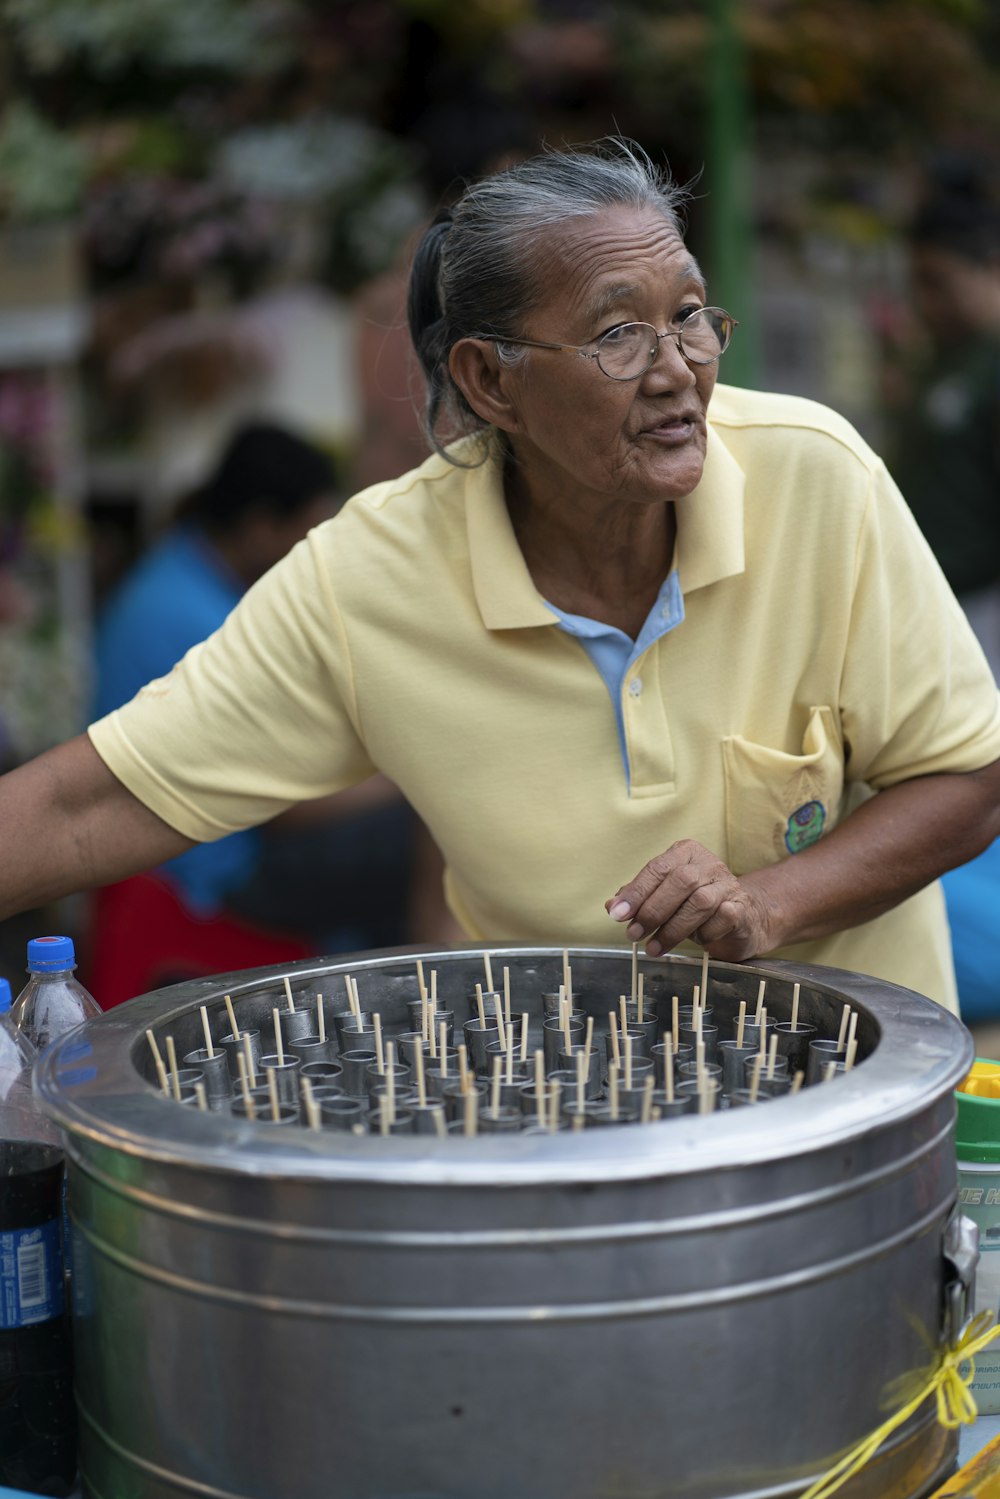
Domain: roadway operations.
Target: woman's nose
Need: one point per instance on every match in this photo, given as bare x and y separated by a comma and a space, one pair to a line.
670, 369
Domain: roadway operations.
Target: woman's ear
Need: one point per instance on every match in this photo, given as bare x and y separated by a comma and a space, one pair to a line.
483, 381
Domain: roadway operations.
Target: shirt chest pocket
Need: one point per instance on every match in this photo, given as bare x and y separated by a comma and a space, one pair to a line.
776, 803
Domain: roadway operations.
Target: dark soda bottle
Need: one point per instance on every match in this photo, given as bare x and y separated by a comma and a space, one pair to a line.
37, 1415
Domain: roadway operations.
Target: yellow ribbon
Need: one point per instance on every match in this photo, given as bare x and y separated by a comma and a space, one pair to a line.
949, 1384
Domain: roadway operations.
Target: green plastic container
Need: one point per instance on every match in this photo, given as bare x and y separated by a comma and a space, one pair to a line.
978, 1147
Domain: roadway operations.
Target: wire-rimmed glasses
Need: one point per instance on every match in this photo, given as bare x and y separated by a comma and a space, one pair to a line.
626, 352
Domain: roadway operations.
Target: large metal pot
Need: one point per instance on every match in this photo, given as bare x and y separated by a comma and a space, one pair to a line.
706, 1307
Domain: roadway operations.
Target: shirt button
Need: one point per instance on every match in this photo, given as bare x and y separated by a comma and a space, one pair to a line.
635, 687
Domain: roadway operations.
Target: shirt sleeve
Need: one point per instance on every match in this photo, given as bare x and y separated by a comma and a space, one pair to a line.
918, 696
260, 716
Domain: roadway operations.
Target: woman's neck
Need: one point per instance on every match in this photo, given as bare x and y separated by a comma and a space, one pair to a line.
605, 559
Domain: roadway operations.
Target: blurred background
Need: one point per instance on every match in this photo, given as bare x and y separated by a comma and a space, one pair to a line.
206, 211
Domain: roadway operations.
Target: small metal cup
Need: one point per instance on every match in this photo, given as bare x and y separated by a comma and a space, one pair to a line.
477, 1040
688, 1087
709, 1037
554, 1039
776, 1087
506, 1121
233, 1048
550, 1008
437, 1080
731, 1058
295, 1023
323, 1091
376, 1079
402, 1097
821, 1054
750, 1063
641, 1068
690, 1069
286, 1076
428, 1118
401, 1125
341, 1113
349, 1034
322, 1072
529, 1099
593, 1080
407, 1044
794, 1044
186, 1079
215, 1071
672, 1108
448, 1016
681, 1055
741, 1098
454, 1099
602, 1116
355, 1065
581, 1118
685, 1016
644, 1033
639, 1044
312, 1049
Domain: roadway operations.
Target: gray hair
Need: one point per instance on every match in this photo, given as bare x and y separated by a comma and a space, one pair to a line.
475, 271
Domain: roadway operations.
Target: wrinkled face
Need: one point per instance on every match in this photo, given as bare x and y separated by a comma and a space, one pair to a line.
573, 428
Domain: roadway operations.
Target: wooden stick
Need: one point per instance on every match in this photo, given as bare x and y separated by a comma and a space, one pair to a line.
696, 1000
278, 1046
758, 1063
481, 1007
641, 1006
201, 1096
760, 1000
383, 1114
668, 1073
635, 973
495, 1087
379, 1049
763, 1031
232, 1017
795, 1006
248, 1055
208, 1032
772, 1056
581, 1077
613, 1091
565, 968
704, 978
175, 1081
443, 1047
501, 1028
623, 1012
420, 980
470, 1119
569, 985
524, 1036
288, 994
509, 1059
161, 1071
676, 1021
506, 995
647, 1099
845, 1016
797, 1081
390, 1081
248, 1102
320, 1018
829, 1072
540, 1086
272, 1092
438, 1117
432, 1029
418, 1067
357, 1003
852, 1047
463, 1068
565, 1029
704, 1095
588, 1037
616, 1051
741, 1023
311, 1106
555, 1104
488, 967
628, 1061
425, 1016
852, 1029
433, 996
699, 1058
352, 1002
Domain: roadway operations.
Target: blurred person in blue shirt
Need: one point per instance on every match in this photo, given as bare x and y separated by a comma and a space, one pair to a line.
334, 872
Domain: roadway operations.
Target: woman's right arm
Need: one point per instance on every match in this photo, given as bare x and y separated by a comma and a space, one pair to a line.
69, 824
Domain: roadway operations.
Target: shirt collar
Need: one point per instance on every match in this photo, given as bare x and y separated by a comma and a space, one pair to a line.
709, 539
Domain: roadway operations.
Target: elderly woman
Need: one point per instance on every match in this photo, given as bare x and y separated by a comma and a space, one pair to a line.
654, 660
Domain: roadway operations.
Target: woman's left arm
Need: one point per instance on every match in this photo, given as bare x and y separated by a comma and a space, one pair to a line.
893, 845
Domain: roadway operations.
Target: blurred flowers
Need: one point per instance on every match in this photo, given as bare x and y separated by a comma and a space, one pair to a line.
42, 169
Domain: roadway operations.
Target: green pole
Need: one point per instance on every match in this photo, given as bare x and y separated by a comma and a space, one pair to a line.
728, 169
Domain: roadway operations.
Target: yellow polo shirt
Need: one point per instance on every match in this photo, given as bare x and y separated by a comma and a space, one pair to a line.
821, 657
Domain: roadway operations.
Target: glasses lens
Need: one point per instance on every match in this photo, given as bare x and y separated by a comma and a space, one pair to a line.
627, 351
705, 335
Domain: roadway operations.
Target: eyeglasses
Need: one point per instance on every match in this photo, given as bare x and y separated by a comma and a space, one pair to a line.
627, 352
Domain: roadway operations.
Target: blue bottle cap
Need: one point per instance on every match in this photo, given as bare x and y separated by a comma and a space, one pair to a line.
51, 954
6, 998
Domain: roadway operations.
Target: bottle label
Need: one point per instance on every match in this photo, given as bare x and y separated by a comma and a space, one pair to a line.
31, 1275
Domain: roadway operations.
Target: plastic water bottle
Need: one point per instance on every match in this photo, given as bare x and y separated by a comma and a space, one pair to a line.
52, 1002
37, 1416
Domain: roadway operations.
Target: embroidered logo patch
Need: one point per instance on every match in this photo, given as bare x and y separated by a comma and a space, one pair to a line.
804, 826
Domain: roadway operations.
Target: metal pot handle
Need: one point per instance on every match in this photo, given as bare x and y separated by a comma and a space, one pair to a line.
961, 1256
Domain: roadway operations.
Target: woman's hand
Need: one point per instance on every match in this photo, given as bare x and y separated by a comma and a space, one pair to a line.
689, 892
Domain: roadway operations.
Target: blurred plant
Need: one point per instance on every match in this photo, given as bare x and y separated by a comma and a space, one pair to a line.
356, 177
42, 170
109, 36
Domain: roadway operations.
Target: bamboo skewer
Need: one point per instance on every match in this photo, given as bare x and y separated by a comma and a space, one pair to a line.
248, 1057
763, 1031
495, 1087
443, 1047
540, 1086
501, 1028
272, 1091
845, 1016
463, 1068
675, 1019
352, 1002
647, 1099
581, 1077
760, 1000
470, 1119
418, 1067
852, 1030
668, 1074
758, 1063
797, 1081
420, 980
310, 1105
524, 1036
175, 1082
161, 1071
772, 1057
379, 1049
278, 1046
390, 1081
210, 1049
640, 1008
288, 994
432, 1029
480, 1007
248, 1103
232, 1017
616, 1050
201, 1096
383, 1114
506, 995
509, 1059
320, 1018
635, 973
554, 1105
795, 1007
829, 1072
488, 967
613, 1092
628, 1062
740, 1024
852, 1047
704, 978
